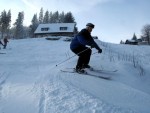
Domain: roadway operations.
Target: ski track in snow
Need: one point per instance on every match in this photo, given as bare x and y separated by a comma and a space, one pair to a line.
57, 95
53, 93
3, 78
60, 96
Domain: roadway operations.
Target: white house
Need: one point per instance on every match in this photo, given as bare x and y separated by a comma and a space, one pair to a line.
55, 29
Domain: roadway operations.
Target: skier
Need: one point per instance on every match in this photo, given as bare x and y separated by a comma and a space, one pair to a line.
78, 46
5, 42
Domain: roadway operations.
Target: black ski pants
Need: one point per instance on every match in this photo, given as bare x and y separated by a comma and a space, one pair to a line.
84, 54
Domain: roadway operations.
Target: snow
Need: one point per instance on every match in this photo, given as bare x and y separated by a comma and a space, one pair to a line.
30, 81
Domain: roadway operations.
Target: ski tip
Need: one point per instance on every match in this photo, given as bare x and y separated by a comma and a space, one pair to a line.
106, 78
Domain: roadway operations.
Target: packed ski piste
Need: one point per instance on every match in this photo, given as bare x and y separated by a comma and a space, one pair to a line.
38, 76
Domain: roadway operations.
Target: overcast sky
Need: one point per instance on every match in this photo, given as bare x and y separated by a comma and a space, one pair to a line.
114, 20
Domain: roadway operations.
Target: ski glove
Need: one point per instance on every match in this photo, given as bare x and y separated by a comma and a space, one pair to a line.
100, 51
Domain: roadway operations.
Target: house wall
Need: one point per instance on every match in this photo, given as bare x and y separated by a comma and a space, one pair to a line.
131, 42
143, 43
54, 34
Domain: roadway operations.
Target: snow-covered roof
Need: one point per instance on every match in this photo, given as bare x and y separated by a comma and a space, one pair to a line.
55, 28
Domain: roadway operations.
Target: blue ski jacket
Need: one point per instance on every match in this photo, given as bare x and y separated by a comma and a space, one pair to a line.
82, 39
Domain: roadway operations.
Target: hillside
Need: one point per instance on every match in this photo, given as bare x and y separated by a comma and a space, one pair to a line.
30, 81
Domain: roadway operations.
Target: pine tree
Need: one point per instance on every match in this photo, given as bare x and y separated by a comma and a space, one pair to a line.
69, 18
19, 31
134, 37
8, 22
56, 17
5, 20
121, 42
46, 18
34, 25
41, 16
50, 17
61, 17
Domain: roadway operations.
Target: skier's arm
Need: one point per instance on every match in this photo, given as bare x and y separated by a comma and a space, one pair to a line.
89, 42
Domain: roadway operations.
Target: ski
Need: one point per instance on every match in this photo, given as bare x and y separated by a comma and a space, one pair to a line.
88, 73
99, 70
107, 71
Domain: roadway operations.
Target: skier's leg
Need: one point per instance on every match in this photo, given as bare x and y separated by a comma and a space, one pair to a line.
4, 47
87, 56
82, 56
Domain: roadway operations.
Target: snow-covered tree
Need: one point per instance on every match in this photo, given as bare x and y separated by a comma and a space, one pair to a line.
61, 17
46, 17
41, 16
34, 25
134, 37
56, 17
5, 20
8, 20
121, 42
146, 33
51, 17
19, 29
69, 18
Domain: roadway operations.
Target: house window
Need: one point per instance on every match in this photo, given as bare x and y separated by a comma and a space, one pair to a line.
63, 28
45, 29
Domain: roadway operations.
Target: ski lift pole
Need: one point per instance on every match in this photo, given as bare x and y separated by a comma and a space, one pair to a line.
72, 57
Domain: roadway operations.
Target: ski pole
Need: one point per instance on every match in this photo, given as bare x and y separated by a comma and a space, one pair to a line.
94, 53
72, 57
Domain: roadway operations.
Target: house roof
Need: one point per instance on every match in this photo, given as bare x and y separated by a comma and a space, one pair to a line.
55, 28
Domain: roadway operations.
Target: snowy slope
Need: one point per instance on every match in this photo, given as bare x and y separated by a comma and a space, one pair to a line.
30, 81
